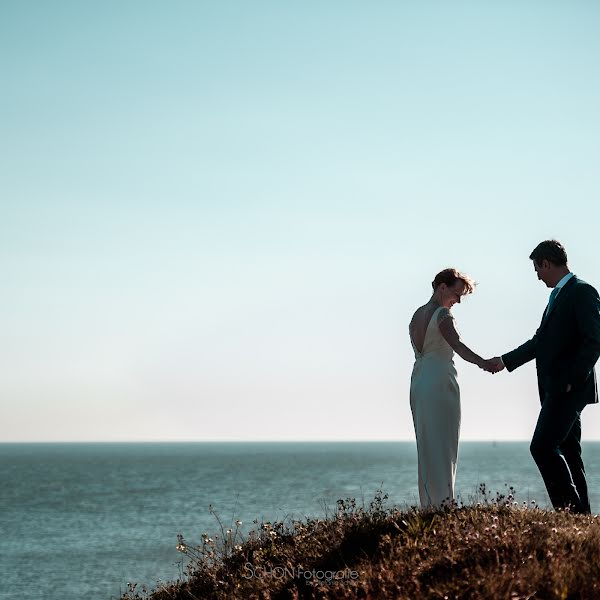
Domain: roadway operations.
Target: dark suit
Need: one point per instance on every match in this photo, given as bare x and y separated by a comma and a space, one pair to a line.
566, 347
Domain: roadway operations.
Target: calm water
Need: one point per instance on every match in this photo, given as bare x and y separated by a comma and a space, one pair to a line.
81, 520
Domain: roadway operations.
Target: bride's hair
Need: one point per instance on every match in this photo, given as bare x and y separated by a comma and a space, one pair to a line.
450, 277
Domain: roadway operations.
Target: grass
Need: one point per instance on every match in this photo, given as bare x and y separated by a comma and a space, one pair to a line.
491, 549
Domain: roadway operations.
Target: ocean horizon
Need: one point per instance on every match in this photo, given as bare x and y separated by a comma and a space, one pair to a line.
82, 519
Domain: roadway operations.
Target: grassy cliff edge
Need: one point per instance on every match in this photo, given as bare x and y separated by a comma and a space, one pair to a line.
497, 549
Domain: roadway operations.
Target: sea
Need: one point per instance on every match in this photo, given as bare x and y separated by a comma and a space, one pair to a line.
82, 520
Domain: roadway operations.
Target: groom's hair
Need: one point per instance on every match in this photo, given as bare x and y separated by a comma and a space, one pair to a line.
552, 251
450, 277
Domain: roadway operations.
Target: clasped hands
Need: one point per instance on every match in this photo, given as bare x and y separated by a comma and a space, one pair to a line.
495, 365
492, 365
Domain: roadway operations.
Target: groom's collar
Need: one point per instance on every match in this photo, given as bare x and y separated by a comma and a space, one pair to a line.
557, 297
564, 280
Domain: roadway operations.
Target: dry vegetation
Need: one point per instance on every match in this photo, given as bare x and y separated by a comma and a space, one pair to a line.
489, 550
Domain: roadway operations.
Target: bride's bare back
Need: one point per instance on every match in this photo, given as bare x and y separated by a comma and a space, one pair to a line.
420, 322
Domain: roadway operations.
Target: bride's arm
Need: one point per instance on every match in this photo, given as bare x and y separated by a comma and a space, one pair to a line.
448, 330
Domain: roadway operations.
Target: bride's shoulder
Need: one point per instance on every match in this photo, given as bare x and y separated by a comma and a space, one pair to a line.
443, 314
419, 313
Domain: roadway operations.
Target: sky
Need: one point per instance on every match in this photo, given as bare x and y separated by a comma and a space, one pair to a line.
217, 218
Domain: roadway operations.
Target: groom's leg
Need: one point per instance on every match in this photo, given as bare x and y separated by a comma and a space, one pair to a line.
554, 425
571, 449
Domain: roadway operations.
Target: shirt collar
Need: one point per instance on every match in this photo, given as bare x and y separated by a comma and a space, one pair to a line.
564, 280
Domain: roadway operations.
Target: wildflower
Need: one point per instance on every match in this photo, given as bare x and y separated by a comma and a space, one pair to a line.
238, 522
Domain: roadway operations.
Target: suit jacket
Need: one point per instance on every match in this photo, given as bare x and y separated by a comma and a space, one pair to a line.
566, 345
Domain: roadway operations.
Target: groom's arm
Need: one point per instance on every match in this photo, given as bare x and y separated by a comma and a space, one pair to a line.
587, 318
521, 355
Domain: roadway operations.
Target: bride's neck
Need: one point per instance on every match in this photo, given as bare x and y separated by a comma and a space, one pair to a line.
435, 300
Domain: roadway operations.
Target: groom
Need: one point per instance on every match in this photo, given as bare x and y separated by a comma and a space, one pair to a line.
566, 347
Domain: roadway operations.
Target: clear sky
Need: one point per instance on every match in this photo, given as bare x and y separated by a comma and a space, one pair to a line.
218, 218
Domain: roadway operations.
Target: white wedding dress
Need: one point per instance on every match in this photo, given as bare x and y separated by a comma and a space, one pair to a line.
435, 405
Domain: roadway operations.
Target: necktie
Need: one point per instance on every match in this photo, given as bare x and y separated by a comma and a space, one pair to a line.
553, 295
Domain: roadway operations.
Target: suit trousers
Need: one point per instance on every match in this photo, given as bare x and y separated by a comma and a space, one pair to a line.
556, 449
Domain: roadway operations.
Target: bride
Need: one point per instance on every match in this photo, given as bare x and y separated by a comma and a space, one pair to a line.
434, 391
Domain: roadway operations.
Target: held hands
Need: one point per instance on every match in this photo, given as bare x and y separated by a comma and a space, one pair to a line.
495, 365
492, 365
